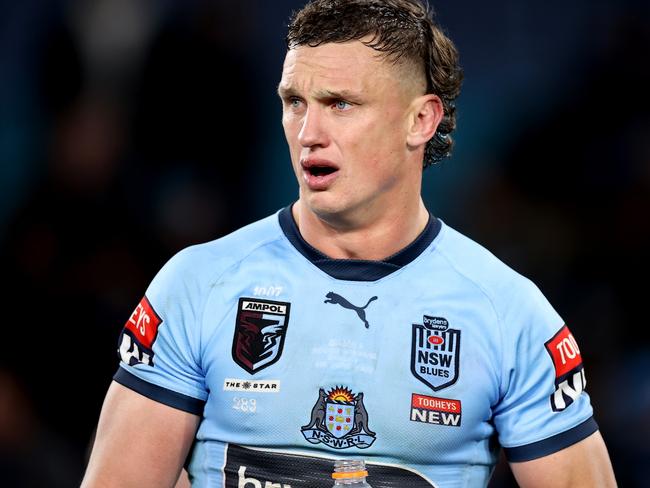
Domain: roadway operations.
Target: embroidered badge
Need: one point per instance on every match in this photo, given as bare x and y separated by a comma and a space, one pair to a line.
260, 329
339, 419
139, 334
435, 353
570, 378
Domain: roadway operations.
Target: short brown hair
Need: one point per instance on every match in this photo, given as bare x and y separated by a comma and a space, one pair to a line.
403, 30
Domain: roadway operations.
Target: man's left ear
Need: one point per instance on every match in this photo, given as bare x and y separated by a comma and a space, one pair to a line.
426, 114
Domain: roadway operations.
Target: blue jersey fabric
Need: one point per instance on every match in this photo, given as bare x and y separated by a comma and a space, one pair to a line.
423, 364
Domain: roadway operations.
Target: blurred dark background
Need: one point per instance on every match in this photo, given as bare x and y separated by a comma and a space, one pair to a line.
129, 130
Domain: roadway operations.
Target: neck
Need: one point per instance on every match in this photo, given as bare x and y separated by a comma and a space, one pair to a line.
379, 237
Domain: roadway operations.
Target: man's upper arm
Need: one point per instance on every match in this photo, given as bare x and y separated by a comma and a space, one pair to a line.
139, 442
584, 464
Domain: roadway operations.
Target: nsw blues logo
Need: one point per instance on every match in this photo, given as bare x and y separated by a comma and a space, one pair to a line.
260, 330
435, 353
340, 420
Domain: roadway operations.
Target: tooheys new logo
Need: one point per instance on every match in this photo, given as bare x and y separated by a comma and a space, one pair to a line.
435, 352
570, 378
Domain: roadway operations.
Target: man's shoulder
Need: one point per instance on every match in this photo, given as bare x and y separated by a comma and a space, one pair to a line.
243, 240
480, 266
213, 257
514, 297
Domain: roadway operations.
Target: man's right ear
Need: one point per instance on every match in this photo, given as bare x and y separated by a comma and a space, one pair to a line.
426, 114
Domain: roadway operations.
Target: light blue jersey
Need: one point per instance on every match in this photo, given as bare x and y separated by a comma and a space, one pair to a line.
423, 364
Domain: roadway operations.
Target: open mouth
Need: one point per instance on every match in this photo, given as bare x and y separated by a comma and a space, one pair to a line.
319, 173
320, 170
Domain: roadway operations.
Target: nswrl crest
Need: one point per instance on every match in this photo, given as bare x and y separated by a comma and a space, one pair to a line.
339, 419
435, 353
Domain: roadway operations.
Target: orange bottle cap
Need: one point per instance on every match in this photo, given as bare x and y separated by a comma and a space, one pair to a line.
351, 474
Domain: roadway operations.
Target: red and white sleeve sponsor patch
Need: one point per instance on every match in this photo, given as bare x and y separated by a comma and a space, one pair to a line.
570, 379
564, 352
143, 323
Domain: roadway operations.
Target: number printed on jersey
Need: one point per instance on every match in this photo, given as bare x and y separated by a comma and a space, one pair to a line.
245, 405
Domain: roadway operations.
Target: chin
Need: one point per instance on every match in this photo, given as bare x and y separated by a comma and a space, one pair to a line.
333, 210
324, 205
324, 208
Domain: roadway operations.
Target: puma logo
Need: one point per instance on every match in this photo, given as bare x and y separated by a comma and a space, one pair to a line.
339, 300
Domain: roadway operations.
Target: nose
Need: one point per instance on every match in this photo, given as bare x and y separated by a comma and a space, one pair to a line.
313, 133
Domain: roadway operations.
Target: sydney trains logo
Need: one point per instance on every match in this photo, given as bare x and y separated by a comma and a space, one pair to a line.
340, 420
260, 329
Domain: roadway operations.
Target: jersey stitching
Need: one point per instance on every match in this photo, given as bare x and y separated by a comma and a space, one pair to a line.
501, 336
367, 284
444, 255
186, 331
397, 270
189, 391
225, 462
580, 420
215, 279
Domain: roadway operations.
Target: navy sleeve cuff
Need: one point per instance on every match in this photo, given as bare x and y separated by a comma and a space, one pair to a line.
552, 444
158, 393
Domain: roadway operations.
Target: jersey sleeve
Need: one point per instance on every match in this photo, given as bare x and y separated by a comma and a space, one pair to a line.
543, 405
159, 344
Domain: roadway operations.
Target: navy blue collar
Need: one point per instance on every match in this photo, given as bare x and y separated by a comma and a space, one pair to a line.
358, 269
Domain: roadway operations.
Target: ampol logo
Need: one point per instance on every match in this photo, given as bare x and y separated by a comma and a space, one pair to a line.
260, 329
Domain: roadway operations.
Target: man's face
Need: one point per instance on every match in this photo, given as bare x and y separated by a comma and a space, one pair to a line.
345, 117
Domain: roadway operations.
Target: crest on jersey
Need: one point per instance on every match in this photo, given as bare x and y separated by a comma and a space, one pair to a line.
260, 329
339, 419
435, 353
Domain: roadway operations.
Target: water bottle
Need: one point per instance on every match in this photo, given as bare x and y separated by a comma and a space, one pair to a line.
350, 473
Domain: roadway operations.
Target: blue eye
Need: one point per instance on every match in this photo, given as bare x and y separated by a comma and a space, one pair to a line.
341, 105
294, 102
